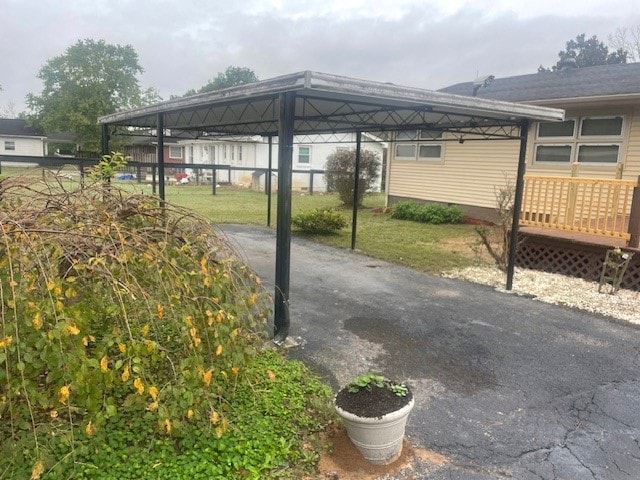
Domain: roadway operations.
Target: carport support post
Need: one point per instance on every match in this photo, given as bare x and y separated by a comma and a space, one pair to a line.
356, 190
517, 203
283, 229
105, 139
268, 181
160, 154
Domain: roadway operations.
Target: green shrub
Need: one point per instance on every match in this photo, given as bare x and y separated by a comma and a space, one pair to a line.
320, 221
433, 213
114, 309
340, 173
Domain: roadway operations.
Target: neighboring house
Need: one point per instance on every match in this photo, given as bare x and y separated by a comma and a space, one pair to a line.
599, 138
18, 139
310, 152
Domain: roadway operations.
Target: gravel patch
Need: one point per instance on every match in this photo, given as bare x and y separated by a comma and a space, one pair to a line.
559, 290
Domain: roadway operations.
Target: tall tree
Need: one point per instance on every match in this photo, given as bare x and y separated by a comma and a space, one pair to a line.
627, 39
587, 53
92, 78
231, 77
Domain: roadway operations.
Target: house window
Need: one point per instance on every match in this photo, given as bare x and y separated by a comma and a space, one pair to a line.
240, 153
224, 152
175, 152
406, 151
418, 150
9, 145
233, 153
597, 140
430, 135
304, 155
556, 129
407, 135
429, 152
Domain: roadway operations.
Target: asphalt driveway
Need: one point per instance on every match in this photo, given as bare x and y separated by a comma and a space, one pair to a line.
505, 386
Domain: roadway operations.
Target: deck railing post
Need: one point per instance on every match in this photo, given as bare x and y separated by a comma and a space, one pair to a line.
634, 217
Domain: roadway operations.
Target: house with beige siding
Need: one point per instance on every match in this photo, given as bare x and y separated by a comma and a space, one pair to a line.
600, 138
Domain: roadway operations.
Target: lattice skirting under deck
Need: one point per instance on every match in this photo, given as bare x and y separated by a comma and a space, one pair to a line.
569, 258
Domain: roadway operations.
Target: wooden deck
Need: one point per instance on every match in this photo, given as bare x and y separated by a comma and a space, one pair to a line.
576, 237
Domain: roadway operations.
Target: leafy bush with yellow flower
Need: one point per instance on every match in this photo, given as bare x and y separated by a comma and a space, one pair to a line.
117, 310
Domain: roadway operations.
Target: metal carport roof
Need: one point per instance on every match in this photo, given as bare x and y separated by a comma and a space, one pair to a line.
312, 102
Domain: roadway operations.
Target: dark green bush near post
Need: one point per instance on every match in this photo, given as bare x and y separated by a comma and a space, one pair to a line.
433, 213
320, 220
340, 173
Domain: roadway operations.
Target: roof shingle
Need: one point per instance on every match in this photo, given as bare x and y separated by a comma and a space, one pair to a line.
601, 80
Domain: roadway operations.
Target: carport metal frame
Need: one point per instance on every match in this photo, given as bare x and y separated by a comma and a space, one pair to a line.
308, 103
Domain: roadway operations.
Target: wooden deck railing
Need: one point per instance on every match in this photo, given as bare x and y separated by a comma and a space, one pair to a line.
607, 207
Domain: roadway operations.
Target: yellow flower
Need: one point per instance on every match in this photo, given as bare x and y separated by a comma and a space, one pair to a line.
85, 341
214, 418
125, 373
139, 386
89, 429
189, 320
122, 347
153, 391
72, 329
6, 341
104, 364
252, 299
145, 329
63, 394
206, 377
37, 321
152, 407
220, 429
209, 317
189, 413
271, 375
57, 291
59, 306
234, 370
218, 350
50, 285
203, 266
220, 316
160, 310
53, 414
167, 425
37, 470
193, 332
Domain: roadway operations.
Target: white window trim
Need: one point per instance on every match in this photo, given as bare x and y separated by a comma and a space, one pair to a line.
578, 139
171, 147
576, 125
429, 159
603, 137
307, 164
13, 144
593, 144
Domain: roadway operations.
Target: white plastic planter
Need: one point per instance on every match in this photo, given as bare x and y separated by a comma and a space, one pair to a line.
379, 439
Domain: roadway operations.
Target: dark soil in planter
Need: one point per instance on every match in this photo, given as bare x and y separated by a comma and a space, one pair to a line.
373, 402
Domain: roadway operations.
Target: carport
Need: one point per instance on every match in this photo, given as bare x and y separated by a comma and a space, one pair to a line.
315, 103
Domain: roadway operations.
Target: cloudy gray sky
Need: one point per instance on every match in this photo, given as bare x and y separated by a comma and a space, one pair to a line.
423, 43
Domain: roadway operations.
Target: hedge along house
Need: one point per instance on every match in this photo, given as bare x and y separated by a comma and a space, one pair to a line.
308, 103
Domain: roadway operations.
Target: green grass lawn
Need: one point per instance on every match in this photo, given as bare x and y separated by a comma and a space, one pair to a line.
428, 248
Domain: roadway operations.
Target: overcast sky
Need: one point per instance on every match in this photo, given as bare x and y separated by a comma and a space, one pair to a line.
183, 43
